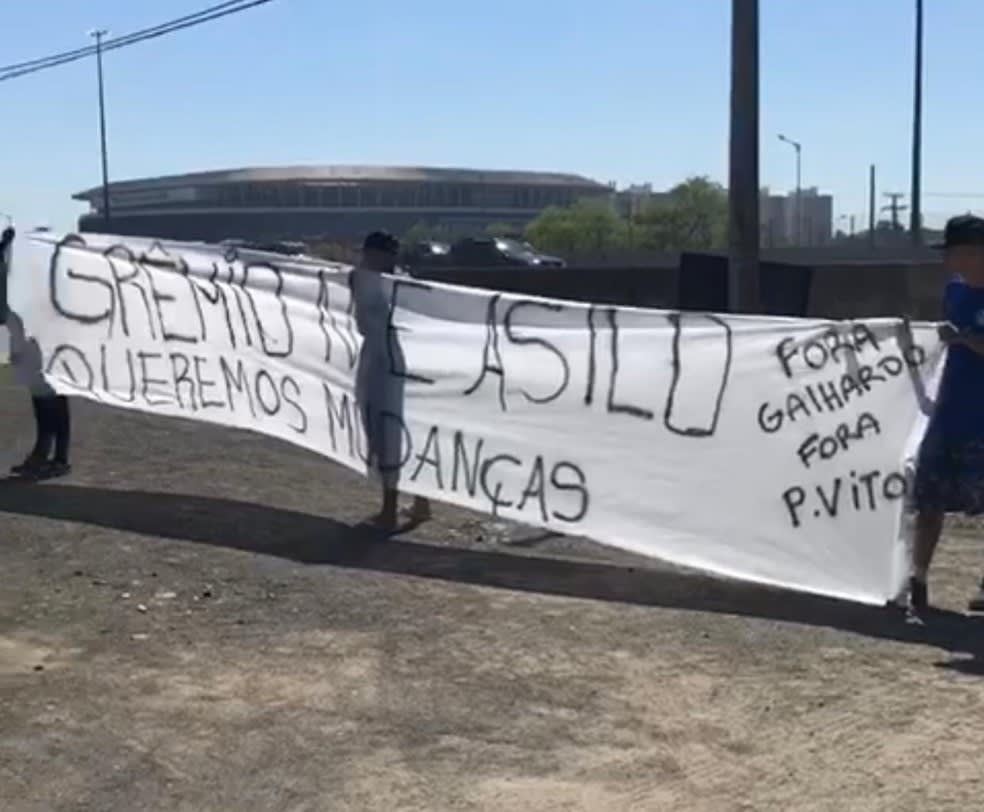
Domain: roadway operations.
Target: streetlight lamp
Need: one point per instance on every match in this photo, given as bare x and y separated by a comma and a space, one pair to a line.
799, 184
98, 36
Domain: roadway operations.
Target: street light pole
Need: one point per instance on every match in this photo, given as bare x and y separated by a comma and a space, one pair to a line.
796, 145
915, 211
744, 194
98, 35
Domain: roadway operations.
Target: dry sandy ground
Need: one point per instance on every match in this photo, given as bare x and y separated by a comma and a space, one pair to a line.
246, 649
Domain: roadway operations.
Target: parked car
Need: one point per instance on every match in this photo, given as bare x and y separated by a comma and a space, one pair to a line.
496, 252
427, 254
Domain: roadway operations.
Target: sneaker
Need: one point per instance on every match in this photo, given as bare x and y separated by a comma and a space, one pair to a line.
918, 596
976, 604
28, 467
51, 470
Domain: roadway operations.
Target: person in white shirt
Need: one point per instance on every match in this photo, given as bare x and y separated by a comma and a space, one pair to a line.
378, 391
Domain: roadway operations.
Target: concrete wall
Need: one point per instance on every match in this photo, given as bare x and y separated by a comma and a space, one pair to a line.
837, 290
849, 290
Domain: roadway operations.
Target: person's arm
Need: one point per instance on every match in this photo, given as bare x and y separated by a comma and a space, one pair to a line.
971, 341
951, 335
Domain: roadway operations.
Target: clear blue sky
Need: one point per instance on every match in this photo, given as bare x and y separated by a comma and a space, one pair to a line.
624, 90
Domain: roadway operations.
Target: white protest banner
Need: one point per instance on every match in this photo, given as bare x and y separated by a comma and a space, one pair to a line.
771, 450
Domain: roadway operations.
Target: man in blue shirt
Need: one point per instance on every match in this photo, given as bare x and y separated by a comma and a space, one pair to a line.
950, 467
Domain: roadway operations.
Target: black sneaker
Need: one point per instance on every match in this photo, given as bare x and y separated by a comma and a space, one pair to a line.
51, 470
976, 604
918, 596
28, 467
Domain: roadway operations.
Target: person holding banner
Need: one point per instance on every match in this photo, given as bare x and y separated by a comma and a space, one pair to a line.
378, 391
950, 465
50, 456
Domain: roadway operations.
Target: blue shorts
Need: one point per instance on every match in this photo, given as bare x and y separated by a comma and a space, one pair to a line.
950, 472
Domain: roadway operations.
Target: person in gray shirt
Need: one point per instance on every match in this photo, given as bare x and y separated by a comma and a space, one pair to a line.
378, 391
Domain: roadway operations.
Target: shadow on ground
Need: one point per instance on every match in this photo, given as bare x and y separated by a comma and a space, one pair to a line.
309, 539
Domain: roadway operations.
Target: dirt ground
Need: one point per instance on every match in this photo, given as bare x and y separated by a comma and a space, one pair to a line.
192, 621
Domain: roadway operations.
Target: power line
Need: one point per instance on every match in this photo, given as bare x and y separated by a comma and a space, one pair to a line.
178, 24
90, 49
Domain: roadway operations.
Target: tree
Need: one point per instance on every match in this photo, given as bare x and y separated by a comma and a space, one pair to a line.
589, 227
693, 215
503, 230
426, 232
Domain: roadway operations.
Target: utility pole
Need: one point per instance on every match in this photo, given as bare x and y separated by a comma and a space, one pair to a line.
743, 186
872, 216
98, 35
915, 198
895, 208
796, 145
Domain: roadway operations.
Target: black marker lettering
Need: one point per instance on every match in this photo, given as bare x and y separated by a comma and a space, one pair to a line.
862, 336
613, 407
786, 350
868, 480
491, 348
833, 503
127, 278
578, 486
493, 495
526, 341
431, 455
340, 414
855, 491
290, 391
398, 363
536, 489
161, 299
592, 360
54, 289
277, 343
204, 384
794, 498
769, 419
180, 369
815, 355
147, 382
235, 379
104, 369
267, 394
895, 486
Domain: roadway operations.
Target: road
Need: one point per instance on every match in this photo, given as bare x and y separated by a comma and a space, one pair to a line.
195, 621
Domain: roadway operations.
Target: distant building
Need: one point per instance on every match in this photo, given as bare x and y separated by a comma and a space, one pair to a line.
332, 203
635, 199
778, 218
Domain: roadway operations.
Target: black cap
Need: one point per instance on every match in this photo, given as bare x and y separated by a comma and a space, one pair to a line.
966, 229
381, 241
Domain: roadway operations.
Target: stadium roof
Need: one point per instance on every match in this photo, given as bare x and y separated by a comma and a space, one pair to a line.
349, 174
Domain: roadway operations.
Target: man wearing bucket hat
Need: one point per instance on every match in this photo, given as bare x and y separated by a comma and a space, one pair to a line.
950, 466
